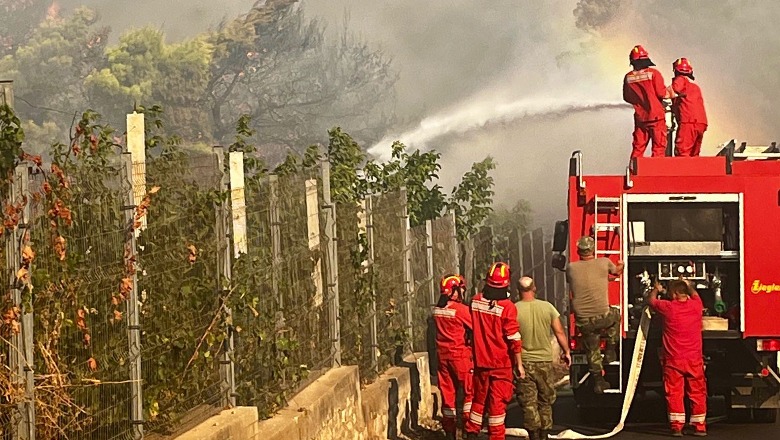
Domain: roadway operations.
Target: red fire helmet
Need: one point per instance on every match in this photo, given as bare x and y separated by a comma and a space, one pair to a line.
498, 275
450, 282
682, 65
638, 53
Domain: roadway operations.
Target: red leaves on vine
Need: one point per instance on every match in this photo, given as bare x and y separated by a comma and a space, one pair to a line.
60, 175
60, 247
140, 210
11, 319
193, 254
34, 158
60, 211
81, 324
92, 364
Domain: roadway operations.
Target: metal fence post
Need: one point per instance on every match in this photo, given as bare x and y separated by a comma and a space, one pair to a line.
135, 135
224, 278
21, 344
407, 267
372, 325
429, 258
276, 238
332, 270
455, 263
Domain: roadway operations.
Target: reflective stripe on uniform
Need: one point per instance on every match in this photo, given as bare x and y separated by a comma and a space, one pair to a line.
698, 418
466, 407
496, 420
443, 313
515, 337
638, 77
677, 417
484, 307
476, 418
448, 412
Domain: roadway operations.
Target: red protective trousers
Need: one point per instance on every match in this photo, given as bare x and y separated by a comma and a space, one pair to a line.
683, 377
689, 138
454, 374
644, 132
493, 390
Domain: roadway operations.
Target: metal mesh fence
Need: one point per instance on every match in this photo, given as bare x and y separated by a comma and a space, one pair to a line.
177, 255
389, 253
6, 401
357, 306
279, 307
423, 295
80, 336
445, 246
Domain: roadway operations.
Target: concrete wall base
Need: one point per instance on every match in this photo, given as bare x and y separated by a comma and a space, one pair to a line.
335, 408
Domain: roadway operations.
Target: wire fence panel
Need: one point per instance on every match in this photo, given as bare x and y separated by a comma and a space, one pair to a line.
356, 299
81, 343
388, 272
302, 333
6, 401
255, 308
422, 300
180, 305
445, 246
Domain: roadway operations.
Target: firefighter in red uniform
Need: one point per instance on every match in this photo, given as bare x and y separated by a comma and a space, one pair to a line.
453, 344
497, 347
682, 359
688, 109
644, 88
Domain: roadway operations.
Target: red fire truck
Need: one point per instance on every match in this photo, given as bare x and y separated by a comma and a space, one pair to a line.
714, 220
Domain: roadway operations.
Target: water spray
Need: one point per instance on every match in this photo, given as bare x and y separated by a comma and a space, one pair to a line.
478, 115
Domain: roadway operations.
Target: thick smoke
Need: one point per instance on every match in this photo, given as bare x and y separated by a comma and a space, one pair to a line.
472, 57
177, 18
593, 14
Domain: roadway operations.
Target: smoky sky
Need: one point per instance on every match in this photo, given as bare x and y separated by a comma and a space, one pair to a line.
453, 55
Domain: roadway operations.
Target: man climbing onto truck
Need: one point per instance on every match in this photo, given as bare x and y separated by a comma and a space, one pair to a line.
588, 279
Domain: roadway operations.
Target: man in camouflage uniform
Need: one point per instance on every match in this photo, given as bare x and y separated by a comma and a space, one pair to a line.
588, 279
539, 321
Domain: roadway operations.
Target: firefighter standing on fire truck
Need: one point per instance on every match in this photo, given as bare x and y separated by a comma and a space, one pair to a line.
453, 344
682, 358
644, 88
688, 109
497, 347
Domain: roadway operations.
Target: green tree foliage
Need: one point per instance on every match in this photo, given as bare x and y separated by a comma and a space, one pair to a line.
416, 172
18, 18
143, 68
50, 67
472, 199
506, 221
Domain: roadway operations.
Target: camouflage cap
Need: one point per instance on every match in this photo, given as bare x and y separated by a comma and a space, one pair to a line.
586, 244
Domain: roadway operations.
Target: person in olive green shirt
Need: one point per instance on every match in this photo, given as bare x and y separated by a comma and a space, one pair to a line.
538, 322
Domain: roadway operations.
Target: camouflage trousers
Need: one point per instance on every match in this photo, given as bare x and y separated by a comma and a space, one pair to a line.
536, 395
591, 329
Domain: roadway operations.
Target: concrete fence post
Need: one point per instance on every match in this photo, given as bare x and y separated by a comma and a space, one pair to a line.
332, 267
224, 216
432, 277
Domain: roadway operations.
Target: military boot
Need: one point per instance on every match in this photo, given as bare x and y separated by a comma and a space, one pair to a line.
451, 436
600, 384
533, 435
544, 434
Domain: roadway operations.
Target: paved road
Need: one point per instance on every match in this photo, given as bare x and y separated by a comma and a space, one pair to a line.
647, 421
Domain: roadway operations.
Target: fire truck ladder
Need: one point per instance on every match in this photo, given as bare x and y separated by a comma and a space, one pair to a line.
606, 234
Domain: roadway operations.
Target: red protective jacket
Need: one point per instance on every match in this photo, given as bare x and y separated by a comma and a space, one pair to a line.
682, 339
452, 321
496, 332
689, 107
644, 89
